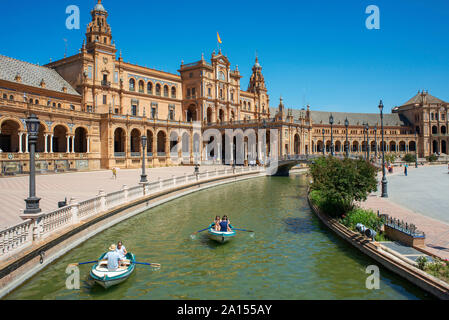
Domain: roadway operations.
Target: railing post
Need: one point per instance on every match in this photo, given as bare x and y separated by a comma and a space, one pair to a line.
185, 177
102, 195
125, 192
75, 207
160, 182
174, 181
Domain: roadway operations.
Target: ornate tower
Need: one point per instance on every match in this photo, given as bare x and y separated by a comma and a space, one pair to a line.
98, 32
257, 82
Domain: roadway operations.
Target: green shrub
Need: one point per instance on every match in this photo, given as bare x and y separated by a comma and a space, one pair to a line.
390, 158
366, 217
432, 158
421, 261
342, 182
409, 158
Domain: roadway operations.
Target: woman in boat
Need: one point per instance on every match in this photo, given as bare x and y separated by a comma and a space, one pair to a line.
113, 258
121, 250
224, 225
217, 223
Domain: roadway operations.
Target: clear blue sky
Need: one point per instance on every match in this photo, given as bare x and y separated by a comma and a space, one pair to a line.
317, 52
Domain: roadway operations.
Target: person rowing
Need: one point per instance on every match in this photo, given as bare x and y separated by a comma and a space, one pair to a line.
216, 224
113, 258
224, 225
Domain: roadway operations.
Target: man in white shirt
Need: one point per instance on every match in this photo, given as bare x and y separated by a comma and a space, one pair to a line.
113, 258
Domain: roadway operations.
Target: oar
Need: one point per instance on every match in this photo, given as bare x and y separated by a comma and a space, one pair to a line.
81, 263
148, 264
201, 230
243, 230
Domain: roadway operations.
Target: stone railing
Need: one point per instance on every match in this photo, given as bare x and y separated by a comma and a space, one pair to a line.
41, 226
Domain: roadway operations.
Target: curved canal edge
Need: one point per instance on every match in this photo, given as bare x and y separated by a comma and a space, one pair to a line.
376, 251
24, 265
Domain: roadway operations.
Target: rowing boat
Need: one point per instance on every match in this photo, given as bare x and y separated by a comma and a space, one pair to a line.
106, 278
221, 237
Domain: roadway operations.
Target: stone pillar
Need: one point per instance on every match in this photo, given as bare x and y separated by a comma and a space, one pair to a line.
73, 144
51, 143
68, 144
74, 210
20, 142
46, 143
102, 195
26, 143
88, 144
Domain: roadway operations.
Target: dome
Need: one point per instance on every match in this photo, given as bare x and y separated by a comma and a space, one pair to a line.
99, 7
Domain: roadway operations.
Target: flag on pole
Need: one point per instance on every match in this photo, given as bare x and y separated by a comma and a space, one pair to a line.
219, 39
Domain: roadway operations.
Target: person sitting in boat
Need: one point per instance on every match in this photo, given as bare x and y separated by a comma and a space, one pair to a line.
216, 224
113, 258
224, 225
121, 250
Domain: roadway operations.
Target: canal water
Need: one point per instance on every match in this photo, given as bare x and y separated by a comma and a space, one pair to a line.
290, 256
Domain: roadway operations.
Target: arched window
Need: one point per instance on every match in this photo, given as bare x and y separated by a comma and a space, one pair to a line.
132, 85
173, 92
434, 130
158, 89
149, 88
165, 91
141, 86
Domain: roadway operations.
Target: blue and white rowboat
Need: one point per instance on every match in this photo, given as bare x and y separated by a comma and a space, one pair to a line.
106, 278
221, 237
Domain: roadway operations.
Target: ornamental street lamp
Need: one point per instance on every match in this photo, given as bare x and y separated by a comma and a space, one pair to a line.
331, 121
347, 141
367, 141
324, 146
32, 202
375, 141
384, 179
416, 150
143, 176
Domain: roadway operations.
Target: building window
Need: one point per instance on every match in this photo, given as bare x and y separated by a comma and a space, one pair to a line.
166, 91
59, 105
134, 110
232, 96
191, 75
173, 92
209, 92
141, 86
132, 85
105, 99
89, 108
193, 93
149, 88
115, 76
171, 112
116, 110
158, 89
154, 110
89, 72
72, 107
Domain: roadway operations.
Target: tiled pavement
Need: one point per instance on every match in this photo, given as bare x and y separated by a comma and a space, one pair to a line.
421, 198
52, 188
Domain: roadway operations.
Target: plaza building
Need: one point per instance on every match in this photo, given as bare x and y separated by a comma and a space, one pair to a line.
94, 108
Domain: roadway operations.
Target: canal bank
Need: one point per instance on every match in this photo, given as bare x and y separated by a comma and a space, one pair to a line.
290, 256
31, 260
388, 258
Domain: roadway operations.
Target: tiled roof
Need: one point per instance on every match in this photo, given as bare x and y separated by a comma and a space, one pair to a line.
419, 97
32, 75
318, 117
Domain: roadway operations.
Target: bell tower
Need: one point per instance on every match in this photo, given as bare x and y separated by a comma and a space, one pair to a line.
257, 82
98, 32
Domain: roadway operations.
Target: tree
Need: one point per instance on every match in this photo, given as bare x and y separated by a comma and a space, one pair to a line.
342, 182
409, 158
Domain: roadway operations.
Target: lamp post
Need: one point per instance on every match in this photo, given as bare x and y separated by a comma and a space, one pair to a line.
143, 176
32, 202
384, 179
347, 141
416, 150
364, 140
331, 121
375, 142
367, 141
324, 145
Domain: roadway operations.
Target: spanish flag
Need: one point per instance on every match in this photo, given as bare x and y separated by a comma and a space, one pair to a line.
219, 39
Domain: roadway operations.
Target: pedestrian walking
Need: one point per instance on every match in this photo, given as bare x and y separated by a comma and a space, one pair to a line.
114, 173
405, 169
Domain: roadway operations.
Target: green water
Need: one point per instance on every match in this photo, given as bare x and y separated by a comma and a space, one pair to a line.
291, 255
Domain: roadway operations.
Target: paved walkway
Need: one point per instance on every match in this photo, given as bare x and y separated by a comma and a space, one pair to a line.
52, 188
421, 198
